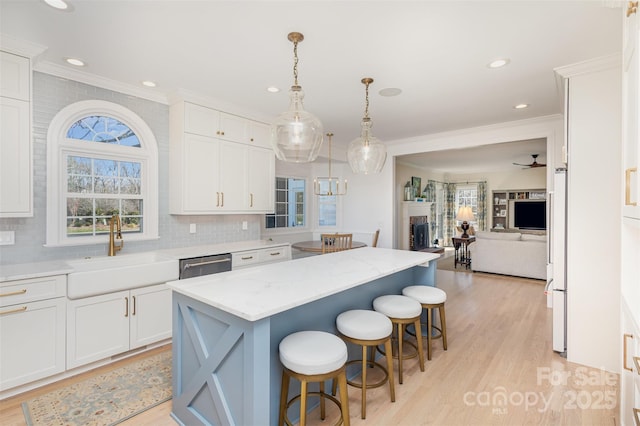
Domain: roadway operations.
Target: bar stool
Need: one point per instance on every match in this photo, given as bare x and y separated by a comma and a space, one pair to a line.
368, 329
313, 356
430, 298
402, 310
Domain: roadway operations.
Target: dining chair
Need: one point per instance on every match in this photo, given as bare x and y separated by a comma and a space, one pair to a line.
375, 238
335, 242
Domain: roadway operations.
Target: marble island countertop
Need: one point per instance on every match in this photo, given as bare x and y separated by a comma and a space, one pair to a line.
260, 292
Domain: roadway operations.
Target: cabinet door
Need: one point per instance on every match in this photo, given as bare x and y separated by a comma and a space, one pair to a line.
15, 159
259, 134
233, 176
261, 180
15, 76
97, 327
200, 120
232, 128
630, 95
200, 167
32, 341
150, 313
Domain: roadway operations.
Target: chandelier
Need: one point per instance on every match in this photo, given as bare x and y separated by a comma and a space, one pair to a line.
296, 135
366, 153
329, 190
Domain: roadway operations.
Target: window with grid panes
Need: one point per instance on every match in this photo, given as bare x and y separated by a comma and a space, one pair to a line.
467, 195
290, 202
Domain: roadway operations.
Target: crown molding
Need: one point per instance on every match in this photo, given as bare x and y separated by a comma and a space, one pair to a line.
102, 82
20, 47
589, 66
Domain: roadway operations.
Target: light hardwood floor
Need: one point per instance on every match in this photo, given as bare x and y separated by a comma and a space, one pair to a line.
499, 369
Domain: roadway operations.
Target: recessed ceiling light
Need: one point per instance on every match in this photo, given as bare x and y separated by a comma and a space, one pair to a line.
390, 91
76, 62
148, 83
498, 63
272, 89
58, 4
521, 106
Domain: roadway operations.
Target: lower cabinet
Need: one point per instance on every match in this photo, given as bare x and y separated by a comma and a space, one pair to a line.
31, 341
109, 324
630, 376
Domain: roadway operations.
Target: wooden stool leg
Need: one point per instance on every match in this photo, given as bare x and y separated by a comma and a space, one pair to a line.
364, 382
303, 402
322, 403
418, 328
389, 356
429, 332
284, 395
443, 324
400, 335
344, 397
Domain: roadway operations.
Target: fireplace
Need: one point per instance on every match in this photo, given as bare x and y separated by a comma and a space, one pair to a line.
420, 235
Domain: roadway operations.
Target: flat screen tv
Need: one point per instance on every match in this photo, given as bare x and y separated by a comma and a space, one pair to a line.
530, 214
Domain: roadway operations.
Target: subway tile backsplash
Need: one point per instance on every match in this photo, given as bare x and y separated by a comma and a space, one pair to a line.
50, 95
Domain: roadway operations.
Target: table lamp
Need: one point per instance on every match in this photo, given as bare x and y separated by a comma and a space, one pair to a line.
465, 215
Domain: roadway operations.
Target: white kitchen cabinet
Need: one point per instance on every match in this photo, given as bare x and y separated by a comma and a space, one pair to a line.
101, 326
16, 185
630, 98
260, 179
630, 375
32, 330
213, 174
247, 258
259, 134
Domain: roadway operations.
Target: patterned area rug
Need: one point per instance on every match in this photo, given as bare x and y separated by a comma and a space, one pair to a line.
446, 264
107, 399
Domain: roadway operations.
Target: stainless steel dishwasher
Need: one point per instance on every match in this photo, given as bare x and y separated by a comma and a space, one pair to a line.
204, 265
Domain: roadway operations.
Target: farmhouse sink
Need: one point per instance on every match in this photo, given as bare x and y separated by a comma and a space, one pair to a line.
100, 275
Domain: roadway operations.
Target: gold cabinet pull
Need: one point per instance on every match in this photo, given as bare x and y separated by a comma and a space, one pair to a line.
222, 203
247, 258
627, 186
632, 7
13, 311
276, 253
624, 355
251, 202
134, 305
13, 293
126, 307
217, 199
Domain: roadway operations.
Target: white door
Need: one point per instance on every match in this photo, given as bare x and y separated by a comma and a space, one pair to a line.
233, 176
201, 191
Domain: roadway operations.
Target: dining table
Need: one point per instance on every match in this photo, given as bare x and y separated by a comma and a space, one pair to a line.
315, 246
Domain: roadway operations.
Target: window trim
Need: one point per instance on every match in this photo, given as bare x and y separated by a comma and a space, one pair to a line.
307, 200
58, 146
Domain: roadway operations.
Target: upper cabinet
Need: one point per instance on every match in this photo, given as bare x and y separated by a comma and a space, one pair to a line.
16, 185
630, 95
219, 163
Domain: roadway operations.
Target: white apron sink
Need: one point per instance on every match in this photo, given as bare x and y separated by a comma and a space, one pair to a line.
100, 275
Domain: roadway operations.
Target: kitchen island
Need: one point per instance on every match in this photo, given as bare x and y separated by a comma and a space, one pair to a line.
227, 327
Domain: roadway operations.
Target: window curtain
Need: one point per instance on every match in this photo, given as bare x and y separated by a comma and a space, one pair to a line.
482, 206
449, 213
430, 197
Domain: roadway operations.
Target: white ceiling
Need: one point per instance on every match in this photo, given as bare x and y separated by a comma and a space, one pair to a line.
435, 51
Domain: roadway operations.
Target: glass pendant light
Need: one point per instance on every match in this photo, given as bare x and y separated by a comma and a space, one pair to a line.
331, 181
366, 153
296, 135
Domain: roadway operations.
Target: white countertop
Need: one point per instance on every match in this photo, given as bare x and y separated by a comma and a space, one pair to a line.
22, 271
263, 291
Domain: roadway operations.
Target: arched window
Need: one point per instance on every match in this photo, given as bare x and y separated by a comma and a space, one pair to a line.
102, 160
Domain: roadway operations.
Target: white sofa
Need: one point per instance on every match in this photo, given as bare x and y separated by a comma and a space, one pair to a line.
510, 253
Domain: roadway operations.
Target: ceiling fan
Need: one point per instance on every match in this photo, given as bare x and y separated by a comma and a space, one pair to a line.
534, 164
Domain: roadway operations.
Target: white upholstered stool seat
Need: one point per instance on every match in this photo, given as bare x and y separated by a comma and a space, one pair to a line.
313, 356
402, 310
368, 329
430, 298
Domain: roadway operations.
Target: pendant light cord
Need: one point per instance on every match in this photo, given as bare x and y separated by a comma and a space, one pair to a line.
295, 63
